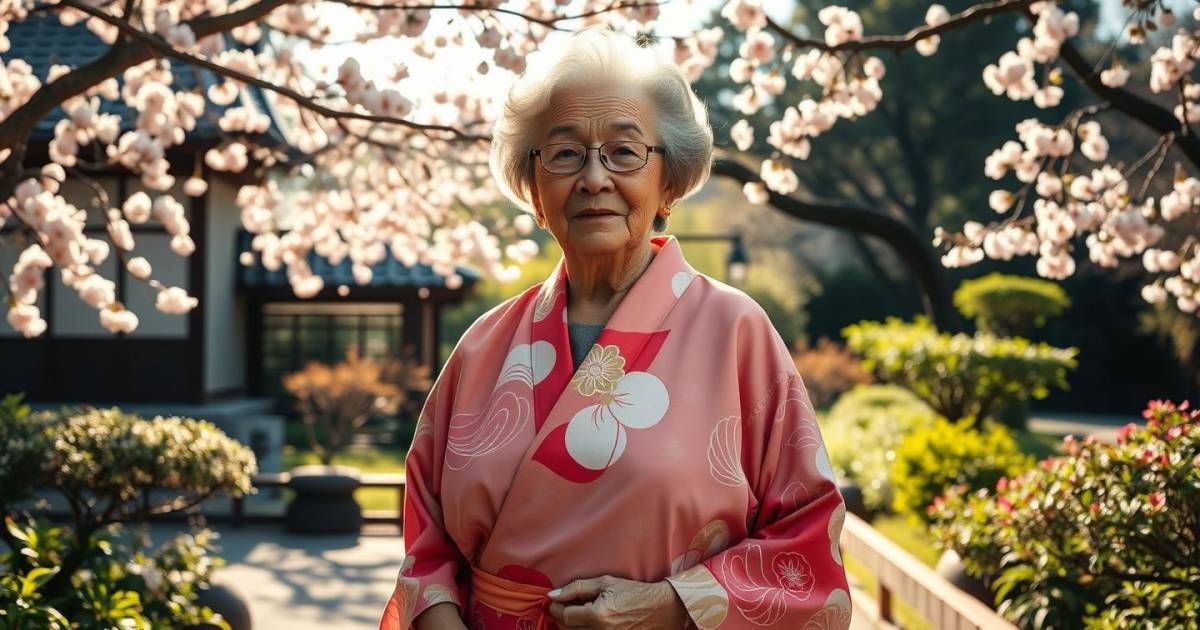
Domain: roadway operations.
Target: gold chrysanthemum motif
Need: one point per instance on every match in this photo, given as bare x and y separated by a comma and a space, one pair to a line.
600, 371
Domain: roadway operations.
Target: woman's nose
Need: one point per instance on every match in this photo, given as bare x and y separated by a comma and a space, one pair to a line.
594, 178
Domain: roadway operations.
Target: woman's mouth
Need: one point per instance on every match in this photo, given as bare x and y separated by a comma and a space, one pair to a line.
594, 215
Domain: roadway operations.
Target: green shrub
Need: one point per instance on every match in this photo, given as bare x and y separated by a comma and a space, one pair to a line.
116, 586
1010, 306
961, 375
25, 441
1104, 537
104, 463
932, 459
861, 432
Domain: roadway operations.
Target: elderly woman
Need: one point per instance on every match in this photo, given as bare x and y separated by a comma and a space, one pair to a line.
628, 444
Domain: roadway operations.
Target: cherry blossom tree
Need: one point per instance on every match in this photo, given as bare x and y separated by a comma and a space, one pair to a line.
403, 165
1062, 167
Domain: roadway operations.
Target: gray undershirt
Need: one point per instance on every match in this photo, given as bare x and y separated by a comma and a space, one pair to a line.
583, 337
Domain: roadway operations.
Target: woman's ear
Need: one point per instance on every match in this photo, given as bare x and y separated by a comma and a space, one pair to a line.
668, 195
536, 201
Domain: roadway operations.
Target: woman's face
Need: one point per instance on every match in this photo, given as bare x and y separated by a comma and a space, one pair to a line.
597, 211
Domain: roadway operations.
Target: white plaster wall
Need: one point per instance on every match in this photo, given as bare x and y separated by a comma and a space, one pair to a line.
224, 318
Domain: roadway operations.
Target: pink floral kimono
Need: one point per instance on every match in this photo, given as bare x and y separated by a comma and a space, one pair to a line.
683, 448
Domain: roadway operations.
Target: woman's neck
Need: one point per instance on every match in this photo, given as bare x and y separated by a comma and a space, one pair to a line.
597, 283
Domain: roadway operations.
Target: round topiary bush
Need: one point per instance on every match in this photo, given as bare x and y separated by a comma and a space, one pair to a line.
105, 463
1010, 306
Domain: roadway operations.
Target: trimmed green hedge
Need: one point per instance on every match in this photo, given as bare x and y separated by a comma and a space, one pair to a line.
960, 376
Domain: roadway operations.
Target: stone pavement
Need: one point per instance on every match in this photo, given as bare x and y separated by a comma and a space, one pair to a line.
295, 582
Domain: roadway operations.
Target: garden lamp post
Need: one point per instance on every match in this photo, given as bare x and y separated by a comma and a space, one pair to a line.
736, 262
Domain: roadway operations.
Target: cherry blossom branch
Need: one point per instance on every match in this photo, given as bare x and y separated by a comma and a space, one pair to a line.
159, 44
1158, 146
117, 251
1097, 68
1144, 111
1071, 123
1162, 156
15, 128
551, 23
898, 43
902, 238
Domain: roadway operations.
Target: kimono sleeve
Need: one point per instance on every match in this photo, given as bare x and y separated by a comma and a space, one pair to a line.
787, 572
433, 565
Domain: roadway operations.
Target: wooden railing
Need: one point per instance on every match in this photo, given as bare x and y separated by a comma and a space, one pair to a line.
238, 516
901, 575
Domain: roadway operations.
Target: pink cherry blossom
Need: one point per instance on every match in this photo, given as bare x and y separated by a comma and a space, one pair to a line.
1115, 76
174, 301
742, 134
755, 193
118, 321
744, 14
841, 25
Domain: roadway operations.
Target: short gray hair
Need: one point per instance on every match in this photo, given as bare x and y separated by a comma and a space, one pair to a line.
598, 53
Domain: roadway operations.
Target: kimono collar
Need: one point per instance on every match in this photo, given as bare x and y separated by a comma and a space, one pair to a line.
646, 304
634, 329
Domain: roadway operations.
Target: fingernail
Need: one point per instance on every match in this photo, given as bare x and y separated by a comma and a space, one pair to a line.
555, 593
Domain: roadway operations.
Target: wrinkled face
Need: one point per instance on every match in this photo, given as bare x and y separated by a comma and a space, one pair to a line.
597, 211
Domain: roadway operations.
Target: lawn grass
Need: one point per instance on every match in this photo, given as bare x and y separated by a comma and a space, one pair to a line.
912, 537
373, 460
366, 460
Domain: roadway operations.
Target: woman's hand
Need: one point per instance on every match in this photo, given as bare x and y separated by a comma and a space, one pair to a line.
443, 616
608, 602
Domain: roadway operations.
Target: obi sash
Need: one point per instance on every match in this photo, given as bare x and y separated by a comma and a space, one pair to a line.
511, 598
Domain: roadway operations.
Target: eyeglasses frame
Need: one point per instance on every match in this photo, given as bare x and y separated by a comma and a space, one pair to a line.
650, 148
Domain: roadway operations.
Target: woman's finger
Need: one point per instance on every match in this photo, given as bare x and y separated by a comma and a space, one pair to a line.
585, 589
583, 616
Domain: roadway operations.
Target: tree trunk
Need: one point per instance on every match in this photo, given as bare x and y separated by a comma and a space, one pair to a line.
909, 246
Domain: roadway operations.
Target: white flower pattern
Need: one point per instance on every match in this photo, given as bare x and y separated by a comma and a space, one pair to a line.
596, 436
762, 598
509, 410
725, 452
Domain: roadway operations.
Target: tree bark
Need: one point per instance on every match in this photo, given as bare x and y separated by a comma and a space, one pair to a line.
909, 246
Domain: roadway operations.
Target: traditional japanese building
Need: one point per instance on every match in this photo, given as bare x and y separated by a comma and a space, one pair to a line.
248, 329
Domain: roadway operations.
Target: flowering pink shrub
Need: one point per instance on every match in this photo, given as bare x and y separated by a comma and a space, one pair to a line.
1107, 535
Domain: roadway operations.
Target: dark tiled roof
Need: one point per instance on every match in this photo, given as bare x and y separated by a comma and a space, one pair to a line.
388, 273
42, 41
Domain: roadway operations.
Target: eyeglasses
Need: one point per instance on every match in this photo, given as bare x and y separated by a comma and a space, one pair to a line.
618, 156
